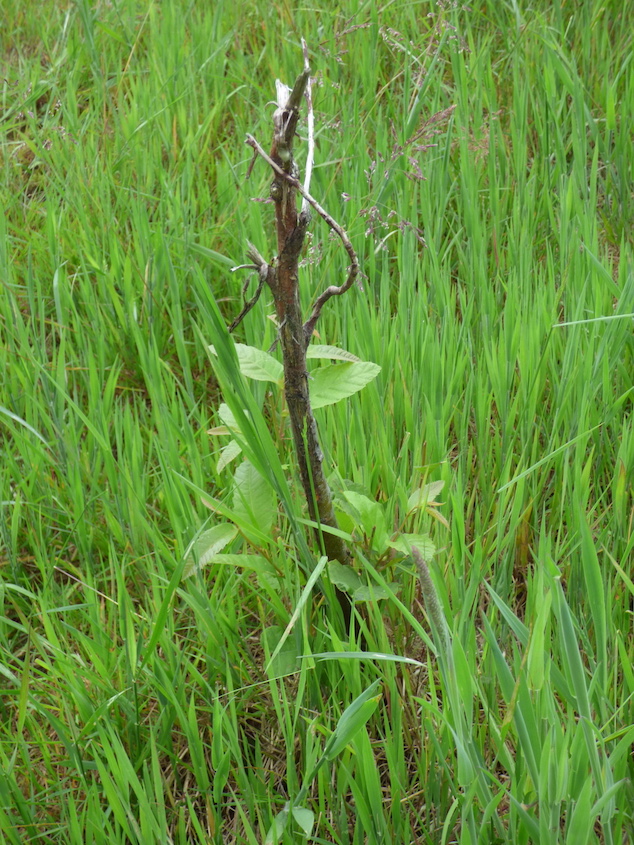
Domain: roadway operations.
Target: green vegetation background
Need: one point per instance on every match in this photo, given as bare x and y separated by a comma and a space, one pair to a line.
481, 159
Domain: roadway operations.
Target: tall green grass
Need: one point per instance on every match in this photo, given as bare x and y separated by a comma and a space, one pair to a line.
481, 161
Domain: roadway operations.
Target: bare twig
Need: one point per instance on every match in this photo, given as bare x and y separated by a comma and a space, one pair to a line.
266, 274
250, 167
333, 290
298, 187
353, 270
248, 305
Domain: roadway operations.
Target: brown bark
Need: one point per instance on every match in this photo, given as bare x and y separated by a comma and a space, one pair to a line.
283, 281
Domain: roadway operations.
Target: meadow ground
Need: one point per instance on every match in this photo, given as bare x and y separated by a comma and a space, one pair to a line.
481, 159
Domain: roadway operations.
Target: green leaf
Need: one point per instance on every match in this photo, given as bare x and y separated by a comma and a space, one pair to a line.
344, 577
259, 365
304, 818
226, 415
278, 826
228, 453
255, 438
404, 543
285, 660
423, 495
216, 257
331, 352
207, 545
257, 563
579, 827
19, 420
371, 592
253, 499
306, 593
371, 516
255, 363
596, 597
353, 718
230, 424
338, 381
547, 457
369, 510
539, 656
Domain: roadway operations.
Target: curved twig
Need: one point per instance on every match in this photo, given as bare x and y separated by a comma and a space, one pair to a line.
248, 303
353, 269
